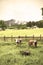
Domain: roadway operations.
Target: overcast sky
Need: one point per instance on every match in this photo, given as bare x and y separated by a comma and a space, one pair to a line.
25, 10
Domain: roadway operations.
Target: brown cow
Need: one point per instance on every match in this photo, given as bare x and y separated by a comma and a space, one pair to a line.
32, 43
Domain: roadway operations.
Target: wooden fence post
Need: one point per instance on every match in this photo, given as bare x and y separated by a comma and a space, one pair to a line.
33, 37
4, 38
40, 36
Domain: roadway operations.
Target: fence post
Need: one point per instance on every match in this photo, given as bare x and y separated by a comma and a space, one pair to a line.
33, 37
4, 38
40, 36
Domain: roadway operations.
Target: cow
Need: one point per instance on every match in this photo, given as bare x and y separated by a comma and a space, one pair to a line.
18, 41
32, 43
25, 53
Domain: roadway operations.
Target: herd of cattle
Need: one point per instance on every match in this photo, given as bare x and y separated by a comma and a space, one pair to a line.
30, 42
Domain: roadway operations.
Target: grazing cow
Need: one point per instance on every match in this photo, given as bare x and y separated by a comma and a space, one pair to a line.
25, 53
30, 42
18, 41
33, 43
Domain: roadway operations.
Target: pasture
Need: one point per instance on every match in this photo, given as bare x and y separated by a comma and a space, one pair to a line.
10, 52
22, 32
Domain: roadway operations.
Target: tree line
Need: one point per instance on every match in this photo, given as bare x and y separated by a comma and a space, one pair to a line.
33, 23
30, 24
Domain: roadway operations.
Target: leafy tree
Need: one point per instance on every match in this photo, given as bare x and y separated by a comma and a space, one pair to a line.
33, 23
2, 25
29, 24
39, 23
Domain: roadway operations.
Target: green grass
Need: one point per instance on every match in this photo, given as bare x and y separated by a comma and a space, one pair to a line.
22, 32
10, 54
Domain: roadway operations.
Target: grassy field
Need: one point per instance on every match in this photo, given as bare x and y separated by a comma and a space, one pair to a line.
10, 54
24, 32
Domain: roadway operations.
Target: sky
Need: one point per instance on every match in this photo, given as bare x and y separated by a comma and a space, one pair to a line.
23, 10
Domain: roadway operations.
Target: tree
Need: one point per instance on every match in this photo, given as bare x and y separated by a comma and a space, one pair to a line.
29, 24
39, 24
2, 25
33, 23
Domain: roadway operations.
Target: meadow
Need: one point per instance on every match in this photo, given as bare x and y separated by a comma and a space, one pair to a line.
10, 52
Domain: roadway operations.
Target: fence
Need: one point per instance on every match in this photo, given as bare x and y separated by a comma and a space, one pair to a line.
4, 38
